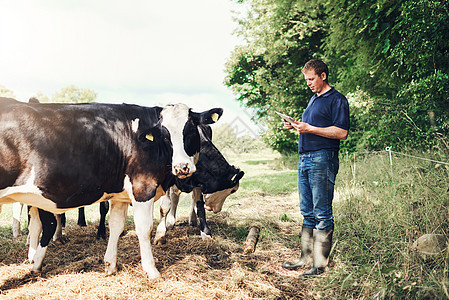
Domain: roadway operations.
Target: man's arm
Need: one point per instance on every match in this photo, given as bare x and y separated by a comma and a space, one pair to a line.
331, 132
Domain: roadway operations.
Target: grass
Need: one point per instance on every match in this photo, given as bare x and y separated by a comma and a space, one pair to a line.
274, 184
379, 209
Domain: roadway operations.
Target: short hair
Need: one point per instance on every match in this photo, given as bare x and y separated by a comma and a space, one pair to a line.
318, 66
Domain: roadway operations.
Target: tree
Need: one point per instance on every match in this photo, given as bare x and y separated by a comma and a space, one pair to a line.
397, 52
4, 92
72, 94
265, 74
69, 94
393, 54
42, 98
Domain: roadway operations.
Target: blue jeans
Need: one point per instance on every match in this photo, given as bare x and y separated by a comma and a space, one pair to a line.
316, 179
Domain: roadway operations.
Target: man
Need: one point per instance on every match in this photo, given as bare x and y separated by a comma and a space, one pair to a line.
324, 123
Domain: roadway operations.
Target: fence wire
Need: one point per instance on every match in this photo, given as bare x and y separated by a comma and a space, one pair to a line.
388, 149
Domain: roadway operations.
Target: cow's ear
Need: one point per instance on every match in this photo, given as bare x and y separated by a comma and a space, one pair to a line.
150, 135
207, 117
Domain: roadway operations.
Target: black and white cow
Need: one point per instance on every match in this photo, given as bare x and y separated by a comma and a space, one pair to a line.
58, 237
17, 207
61, 156
213, 174
212, 168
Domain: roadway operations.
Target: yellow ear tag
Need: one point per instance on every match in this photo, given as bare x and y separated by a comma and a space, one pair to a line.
214, 117
149, 137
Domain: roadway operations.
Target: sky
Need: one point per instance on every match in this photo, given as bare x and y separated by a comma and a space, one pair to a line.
138, 51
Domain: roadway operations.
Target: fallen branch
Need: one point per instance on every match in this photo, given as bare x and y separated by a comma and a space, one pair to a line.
251, 240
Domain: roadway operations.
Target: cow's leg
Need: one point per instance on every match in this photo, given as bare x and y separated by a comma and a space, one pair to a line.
16, 212
63, 220
174, 200
161, 229
29, 218
117, 219
58, 238
34, 231
143, 219
48, 230
204, 228
196, 196
104, 208
81, 217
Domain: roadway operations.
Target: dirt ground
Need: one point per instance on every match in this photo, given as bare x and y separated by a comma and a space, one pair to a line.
190, 267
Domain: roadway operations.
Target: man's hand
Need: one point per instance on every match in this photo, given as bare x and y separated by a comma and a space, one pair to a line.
331, 132
301, 127
287, 125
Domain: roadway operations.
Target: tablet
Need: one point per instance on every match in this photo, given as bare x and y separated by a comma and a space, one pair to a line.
286, 118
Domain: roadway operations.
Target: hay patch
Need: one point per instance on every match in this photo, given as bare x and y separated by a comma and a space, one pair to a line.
190, 267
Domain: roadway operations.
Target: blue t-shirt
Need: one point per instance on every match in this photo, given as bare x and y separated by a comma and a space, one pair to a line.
328, 109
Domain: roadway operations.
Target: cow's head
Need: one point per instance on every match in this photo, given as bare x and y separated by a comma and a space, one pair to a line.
214, 202
216, 178
181, 124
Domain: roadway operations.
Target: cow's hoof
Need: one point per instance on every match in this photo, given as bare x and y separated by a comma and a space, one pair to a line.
159, 240
61, 240
101, 236
206, 237
110, 269
153, 275
37, 273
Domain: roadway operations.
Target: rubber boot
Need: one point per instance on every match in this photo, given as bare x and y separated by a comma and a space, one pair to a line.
306, 250
322, 244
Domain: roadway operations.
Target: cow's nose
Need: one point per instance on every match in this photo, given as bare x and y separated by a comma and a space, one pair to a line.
182, 170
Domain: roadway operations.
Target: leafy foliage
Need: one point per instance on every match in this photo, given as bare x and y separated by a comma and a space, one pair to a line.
70, 94
264, 73
392, 54
4, 92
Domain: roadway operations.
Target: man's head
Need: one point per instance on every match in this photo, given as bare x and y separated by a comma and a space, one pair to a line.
316, 74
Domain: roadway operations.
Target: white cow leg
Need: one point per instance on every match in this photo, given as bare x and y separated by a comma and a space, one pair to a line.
38, 259
16, 212
161, 229
196, 194
35, 230
117, 220
171, 216
143, 219
48, 221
